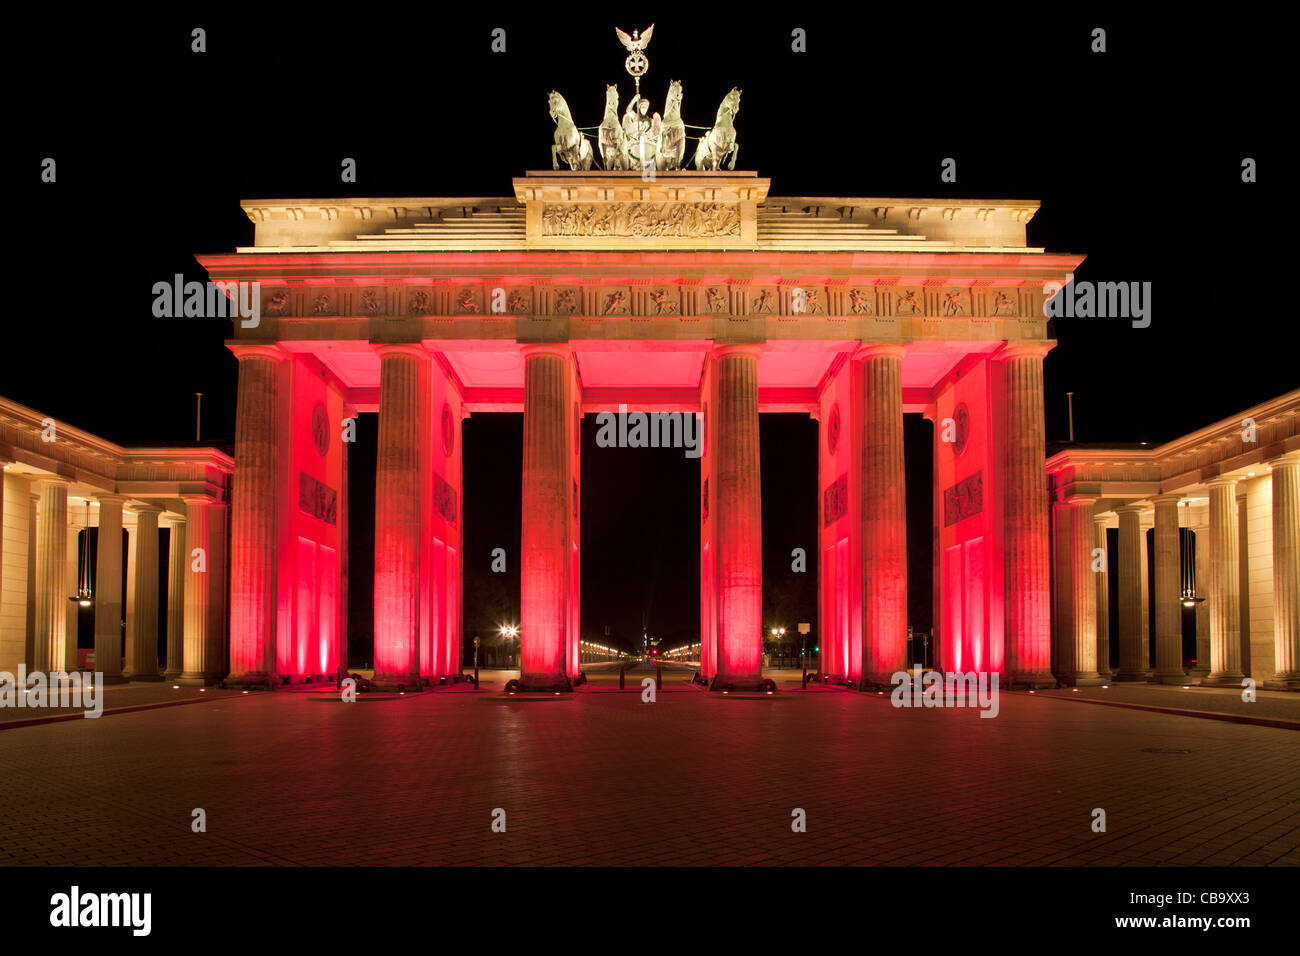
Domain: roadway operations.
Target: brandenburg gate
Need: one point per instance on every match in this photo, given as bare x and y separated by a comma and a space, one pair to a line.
682, 291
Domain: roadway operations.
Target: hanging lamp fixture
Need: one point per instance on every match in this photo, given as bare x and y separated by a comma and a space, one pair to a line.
85, 595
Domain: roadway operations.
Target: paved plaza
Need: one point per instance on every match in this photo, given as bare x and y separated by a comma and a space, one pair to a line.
293, 779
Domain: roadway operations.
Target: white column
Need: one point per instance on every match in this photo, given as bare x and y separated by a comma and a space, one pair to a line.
108, 589
176, 551
1168, 604
1224, 584
51, 575
1076, 593
72, 569
1131, 566
142, 642
1102, 580
1286, 573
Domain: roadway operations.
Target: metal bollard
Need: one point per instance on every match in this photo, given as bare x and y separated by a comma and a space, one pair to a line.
659, 677
620, 676
476, 677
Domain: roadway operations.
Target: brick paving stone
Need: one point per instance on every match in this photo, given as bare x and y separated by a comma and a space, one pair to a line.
700, 780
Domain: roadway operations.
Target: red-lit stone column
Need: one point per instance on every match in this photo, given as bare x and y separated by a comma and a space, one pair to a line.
253, 500
1076, 609
739, 508
142, 642
343, 512
1168, 606
1224, 596
1286, 574
176, 562
884, 514
51, 576
200, 641
397, 517
547, 459
108, 590
1134, 649
1026, 572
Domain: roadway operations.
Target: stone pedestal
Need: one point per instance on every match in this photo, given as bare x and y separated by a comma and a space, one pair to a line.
1224, 595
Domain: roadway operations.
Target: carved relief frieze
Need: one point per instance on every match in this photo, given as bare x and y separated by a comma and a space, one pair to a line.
372, 301
664, 301
909, 302
641, 219
952, 302
277, 303
566, 300
418, 302
468, 301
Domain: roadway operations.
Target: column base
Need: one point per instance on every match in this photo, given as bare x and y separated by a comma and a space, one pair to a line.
1223, 680
540, 684
172, 676
116, 679
1084, 681
1178, 678
145, 678
1283, 682
197, 680
1130, 677
737, 682
397, 683
1030, 680
252, 680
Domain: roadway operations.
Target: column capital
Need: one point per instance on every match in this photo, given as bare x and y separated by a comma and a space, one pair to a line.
199, 500
1132, 508
868, 350
720, 351
109, 498
1171, 497
266, 350
172, 519
1077, 501
1290, 459
1222, 481
1101, 517
1023, 350
53, 480
145, 509
414, 350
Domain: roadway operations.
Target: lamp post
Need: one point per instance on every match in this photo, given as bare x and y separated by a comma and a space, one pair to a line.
476, 662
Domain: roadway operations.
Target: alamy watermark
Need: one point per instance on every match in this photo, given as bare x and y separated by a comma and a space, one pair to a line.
626, 429
40, 691
209, 300
934, 689
1098, 300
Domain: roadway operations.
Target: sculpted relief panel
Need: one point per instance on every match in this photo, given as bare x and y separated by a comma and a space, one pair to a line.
641, 219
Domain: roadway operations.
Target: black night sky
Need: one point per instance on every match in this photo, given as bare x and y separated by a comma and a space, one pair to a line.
1135, 154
